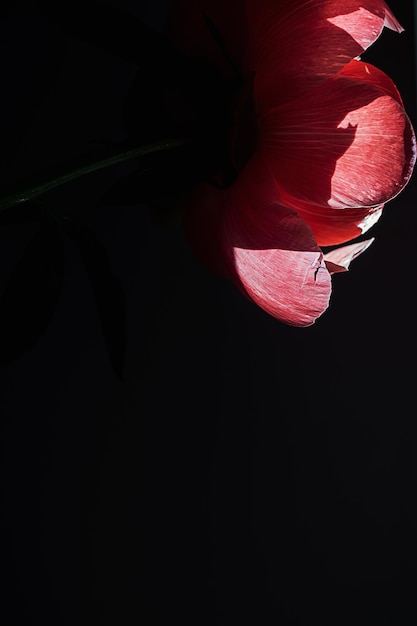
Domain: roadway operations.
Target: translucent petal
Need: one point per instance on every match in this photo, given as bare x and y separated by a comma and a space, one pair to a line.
345, 144
296, 44
339, 259
271, 251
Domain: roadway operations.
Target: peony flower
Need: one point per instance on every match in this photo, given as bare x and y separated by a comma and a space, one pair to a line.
319, 143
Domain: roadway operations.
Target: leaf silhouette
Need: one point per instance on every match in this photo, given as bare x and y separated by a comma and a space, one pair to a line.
106, 288
31, 293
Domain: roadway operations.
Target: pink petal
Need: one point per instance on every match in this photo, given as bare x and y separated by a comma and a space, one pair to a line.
345, 144
296, 44
272, 254
338, 260
334, 226
371, 75
391, 21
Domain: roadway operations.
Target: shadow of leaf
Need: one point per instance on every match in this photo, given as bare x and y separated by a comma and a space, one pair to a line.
31, 293
106, 288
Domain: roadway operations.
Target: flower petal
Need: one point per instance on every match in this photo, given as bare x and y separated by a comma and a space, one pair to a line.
371, 75
334, 226
297, 44
272, 254
345, 144
338, 260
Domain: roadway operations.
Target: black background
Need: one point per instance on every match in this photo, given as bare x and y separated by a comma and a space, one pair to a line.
243, 471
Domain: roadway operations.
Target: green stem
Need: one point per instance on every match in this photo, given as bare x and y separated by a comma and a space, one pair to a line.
37, 188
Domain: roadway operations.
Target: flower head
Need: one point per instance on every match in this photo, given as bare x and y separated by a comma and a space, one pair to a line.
319, 143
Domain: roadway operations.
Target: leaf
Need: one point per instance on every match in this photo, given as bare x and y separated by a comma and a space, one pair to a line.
106, 288
31, 293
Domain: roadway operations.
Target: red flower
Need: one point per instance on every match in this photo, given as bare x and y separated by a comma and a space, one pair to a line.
325, 144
